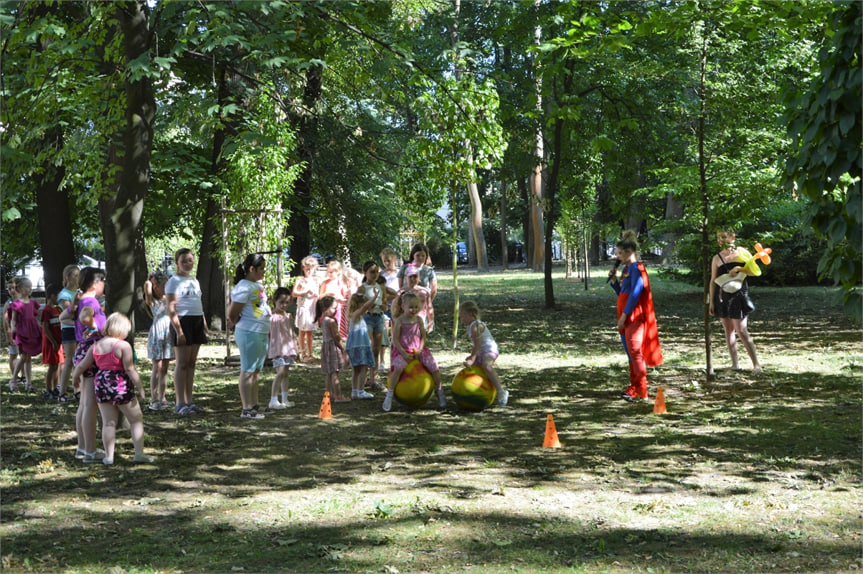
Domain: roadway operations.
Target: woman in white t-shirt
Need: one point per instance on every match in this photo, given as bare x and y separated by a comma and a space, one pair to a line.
249, 315
188, 328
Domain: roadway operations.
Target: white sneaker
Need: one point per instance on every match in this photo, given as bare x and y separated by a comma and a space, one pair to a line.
388, 401
276, 405
503, 397
442, 397
287, 404
363, 394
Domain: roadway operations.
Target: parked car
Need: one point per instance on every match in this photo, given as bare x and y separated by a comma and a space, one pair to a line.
461, 250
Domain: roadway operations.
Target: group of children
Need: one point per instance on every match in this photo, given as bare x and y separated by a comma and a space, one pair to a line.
388, 308
33, 330
356, 312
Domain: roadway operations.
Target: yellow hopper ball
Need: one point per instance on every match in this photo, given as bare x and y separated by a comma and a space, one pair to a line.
415, 386
472, 389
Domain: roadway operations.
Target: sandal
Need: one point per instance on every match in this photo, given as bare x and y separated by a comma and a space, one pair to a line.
97, 455
64, 398
79, 453
341, 399
251, 414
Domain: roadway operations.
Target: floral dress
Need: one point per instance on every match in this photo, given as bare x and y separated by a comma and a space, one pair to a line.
158, 339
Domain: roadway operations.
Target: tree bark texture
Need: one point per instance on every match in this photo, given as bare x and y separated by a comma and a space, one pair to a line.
55, 217
299, 227
121, 213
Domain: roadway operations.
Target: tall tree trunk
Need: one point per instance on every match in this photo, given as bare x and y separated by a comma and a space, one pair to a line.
552, 215
127, 205
673, 211
210, 273
475, 221
537, 186
526, 221
705, 208
504, 248
476, 227
455, 291
55, 218
299, 226
52, 203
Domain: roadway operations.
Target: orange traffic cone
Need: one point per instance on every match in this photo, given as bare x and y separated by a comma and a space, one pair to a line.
551, 440
659, 406
326, 409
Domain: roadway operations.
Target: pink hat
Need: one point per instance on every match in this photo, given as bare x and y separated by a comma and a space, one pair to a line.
411, 270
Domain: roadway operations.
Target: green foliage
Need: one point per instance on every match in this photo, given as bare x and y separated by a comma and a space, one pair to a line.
59, 110
781, 227
827, 161
257, 181
455, 116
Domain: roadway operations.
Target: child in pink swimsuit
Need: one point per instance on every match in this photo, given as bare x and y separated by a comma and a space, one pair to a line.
117, 384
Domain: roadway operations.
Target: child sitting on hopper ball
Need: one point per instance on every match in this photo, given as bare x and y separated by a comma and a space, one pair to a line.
484, 351
409, 342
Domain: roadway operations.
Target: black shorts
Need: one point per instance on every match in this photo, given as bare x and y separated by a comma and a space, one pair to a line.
193, 329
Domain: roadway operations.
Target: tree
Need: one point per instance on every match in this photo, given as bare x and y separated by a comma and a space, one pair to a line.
33, 138
826, 162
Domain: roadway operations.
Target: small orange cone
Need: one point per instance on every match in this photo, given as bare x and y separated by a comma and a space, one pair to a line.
659, 405
551, 440
326, 409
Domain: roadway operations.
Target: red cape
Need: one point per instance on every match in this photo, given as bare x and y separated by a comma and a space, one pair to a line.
643, 311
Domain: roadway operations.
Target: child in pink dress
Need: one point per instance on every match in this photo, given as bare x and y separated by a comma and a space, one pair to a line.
332, 348
412, 285
26, 331
409, 342
282, 349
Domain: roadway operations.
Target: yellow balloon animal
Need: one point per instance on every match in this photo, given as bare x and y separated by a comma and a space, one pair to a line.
750, 262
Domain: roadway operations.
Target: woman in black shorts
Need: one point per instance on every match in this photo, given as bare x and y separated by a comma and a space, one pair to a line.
732, 308
188, 328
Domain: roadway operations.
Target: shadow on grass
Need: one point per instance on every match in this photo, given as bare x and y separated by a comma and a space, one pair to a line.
756, 430
183, 540
719, 441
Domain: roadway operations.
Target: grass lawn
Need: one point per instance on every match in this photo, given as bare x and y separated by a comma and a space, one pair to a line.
743, 474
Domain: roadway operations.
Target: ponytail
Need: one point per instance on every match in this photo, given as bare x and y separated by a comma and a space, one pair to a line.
86, 278
252, 260
322, 305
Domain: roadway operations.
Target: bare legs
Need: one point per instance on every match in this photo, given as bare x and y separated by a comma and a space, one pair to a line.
159, 381
184, 373
85, 418
306, 339
377, 339
249, 389
734, 328
66, 373
334, 386
280, 384
110, 414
